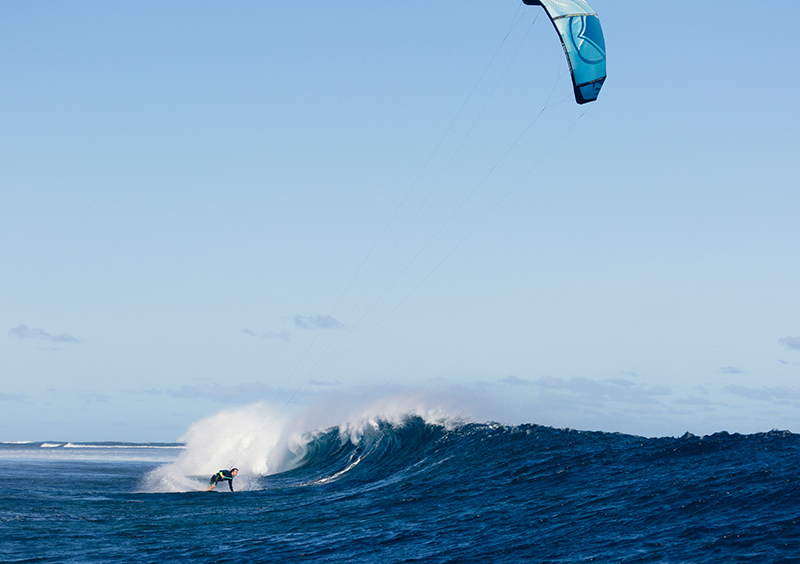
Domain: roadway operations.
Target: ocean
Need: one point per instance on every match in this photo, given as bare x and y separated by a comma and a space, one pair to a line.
408, 489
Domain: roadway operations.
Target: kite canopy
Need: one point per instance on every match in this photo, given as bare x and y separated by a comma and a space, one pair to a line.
582, 38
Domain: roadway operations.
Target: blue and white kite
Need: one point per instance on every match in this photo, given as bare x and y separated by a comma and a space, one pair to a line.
582, 37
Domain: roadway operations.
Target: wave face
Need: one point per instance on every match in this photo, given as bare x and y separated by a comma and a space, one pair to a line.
408, 489
533, 493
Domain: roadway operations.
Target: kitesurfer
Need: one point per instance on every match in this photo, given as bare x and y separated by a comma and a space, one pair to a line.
221, 476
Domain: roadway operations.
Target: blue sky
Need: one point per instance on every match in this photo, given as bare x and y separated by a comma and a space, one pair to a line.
206, 206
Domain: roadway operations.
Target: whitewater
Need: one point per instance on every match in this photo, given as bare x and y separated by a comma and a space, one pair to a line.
402, 485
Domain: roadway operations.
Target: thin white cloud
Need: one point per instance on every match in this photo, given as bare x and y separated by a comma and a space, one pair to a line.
765, 393
25, 332
697, 401
790, 342
515, 381
316, 322
282, 336
11, 397
240, 393
324, 384
149, 392
96, 398
731, 370
596, 391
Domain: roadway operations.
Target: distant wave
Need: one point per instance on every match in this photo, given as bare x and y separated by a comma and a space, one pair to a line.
130, 445
103, 445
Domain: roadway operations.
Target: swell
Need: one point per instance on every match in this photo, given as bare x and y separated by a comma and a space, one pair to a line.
557, 492
583, 468
468, 453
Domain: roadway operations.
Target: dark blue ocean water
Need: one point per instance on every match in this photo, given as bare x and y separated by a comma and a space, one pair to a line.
419, 492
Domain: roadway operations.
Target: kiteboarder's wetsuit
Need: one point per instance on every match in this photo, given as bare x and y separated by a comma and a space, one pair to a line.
220, 476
